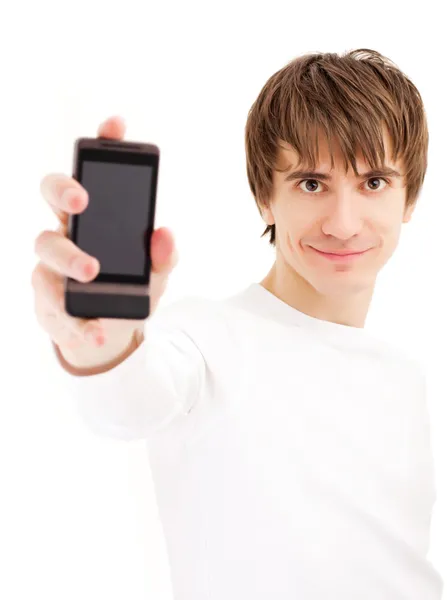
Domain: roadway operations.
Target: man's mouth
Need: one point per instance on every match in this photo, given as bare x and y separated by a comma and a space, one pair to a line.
341, 255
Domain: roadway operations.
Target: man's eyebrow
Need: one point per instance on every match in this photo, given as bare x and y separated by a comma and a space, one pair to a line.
386, 172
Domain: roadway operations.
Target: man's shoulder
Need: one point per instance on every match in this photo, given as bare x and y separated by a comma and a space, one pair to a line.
406, 359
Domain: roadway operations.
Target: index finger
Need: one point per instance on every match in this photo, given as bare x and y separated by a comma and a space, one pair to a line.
54, 185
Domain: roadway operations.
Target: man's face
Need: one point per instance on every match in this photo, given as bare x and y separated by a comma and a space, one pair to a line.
340, 213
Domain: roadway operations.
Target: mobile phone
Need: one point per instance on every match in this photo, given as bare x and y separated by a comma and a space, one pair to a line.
121, 180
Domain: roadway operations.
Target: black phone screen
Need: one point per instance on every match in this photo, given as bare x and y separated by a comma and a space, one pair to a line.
115, 225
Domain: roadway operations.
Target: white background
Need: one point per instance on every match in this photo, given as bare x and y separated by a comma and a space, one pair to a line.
77, 514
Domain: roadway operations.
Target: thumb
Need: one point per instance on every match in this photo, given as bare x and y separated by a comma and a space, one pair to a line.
164, 253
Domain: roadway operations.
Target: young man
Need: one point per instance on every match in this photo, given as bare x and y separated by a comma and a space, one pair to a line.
290, 450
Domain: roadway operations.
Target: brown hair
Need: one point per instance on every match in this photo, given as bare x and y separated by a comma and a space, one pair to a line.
348, 97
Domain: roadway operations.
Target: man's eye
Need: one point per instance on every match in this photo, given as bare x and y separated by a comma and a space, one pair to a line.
377, 179
315, 183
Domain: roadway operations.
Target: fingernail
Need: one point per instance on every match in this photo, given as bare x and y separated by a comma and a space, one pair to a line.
84, 267
73, 199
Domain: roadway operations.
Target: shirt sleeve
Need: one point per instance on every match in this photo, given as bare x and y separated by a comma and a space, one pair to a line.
159, 382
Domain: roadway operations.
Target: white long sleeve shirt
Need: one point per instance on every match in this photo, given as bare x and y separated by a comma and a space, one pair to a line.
291, 457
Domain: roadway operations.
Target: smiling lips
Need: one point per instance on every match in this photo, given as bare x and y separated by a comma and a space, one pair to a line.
341, 255
342, 252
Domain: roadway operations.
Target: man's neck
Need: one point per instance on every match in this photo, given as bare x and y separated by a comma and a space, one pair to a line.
291, 288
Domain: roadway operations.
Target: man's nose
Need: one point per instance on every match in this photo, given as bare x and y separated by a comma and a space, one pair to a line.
343, 219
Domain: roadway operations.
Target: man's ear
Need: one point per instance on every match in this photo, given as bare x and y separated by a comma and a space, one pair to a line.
267, 215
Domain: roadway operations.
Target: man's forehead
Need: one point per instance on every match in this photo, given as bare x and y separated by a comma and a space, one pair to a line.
288, 158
